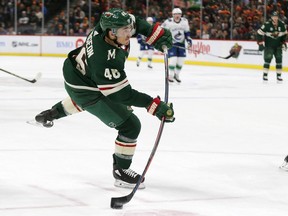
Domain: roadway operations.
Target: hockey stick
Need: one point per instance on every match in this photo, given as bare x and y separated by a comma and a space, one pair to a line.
38, 75
118, 202
227, 57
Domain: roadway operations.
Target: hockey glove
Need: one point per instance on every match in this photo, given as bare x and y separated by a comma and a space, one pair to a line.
159, 37
284, 46
261, 47
161, 109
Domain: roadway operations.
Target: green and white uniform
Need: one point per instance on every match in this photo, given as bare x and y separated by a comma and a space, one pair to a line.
96, 81
273, 37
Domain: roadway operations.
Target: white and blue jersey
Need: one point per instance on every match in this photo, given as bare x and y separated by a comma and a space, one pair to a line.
180, 32
143, 45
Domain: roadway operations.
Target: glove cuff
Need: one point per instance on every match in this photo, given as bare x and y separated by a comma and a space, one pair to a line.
153, 106
157, 32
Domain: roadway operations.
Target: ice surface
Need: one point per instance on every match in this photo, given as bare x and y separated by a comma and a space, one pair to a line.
219, 158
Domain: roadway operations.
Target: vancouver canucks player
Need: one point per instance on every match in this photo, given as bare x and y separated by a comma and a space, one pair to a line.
96, 81
271, 38
180, 31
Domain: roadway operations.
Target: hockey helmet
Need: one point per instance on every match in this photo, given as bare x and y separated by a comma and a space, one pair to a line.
176, 11
114, 19
149, 19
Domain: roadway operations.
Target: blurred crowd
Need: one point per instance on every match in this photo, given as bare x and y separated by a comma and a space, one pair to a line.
218, 19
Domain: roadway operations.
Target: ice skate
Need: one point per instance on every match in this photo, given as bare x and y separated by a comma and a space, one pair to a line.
150, 66
138, 62
284, 166
171, 79
176, 77
279, 78
46, 117
126, 178
265, 77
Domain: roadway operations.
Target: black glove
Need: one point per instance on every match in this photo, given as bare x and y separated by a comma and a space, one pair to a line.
261, 47
161, 109
159, 37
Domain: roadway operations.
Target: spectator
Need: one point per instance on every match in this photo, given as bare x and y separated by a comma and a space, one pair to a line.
59, 30
2, 30
24, 19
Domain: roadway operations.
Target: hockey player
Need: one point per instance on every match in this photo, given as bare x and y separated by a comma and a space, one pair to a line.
96, 82
180, 31
144, 47
271, 38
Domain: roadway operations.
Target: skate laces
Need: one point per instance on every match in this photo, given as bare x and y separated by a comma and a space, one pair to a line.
130, 172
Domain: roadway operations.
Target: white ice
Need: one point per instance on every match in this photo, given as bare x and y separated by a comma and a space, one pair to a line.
220, 157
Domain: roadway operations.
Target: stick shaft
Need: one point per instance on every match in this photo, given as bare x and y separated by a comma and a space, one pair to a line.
23, 78
120, 201
205, 53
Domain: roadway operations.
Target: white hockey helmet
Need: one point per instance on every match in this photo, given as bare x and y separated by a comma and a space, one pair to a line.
176, 11
149, 19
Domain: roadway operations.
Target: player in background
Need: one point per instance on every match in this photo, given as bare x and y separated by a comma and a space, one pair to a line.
180, 31
271, 38
144, 47
96, 81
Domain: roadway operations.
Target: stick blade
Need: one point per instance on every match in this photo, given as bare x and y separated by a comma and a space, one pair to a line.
118, 202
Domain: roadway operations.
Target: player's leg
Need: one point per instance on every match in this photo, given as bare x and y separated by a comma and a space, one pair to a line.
150, 55
172, 55
181, 55
117, 116
179, 65
141, 54
268, 55
59, 110
278, 59
121, 118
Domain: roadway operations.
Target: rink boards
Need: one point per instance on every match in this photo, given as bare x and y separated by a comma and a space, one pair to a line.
204, 52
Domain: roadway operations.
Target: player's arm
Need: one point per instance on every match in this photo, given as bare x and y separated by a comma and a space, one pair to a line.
188, 38
120, 91
260, 37
187, 33
154, 106
156, 35
283, 37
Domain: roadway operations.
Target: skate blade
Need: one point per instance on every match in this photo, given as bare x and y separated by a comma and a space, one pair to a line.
122, 184
284, 166
37, 124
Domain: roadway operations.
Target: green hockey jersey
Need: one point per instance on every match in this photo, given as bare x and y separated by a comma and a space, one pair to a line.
98, 68
273, 36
